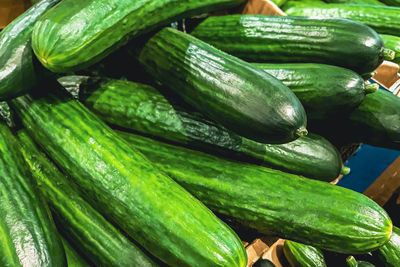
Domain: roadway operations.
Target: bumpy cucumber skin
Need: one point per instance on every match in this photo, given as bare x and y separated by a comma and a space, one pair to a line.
392, 42
142, 108
241, 97
75, 34
73, 258
304, 210
283, 39
300, 255
19, 69
100, 242
28, 236
125, 187
389, 253
323, 90
383, 19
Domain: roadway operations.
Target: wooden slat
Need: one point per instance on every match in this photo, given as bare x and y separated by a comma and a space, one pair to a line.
263, 7
10, 9
275, 253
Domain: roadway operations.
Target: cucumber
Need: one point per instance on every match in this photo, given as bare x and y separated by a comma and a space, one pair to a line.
393, 43
28, 234
289, 39
76, 34
323, 90
352, 262
383, 19
367, 2
19, 69
300, 255
142, 108
239, 96
389, 253
263, 263
274, 202
95, 238
73, 258
124, 186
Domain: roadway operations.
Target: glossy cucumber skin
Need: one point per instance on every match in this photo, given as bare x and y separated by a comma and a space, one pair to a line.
19, 69
383, 19
73, 258
292, 207
367, 2
76, 34
300, 255
394, 3
289, 39
228, 90
389, 253
28, 234
143, 108
324, 90
124, 186
100, 242
392, 42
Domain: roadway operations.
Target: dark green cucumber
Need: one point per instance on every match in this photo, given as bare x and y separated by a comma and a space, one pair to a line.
19, 69
28, 236
283, 39
73, 258
394, 3
367, 2
383, 19
264, 263
389, 253
393, 43
300, 255
99, 241
274, 202
241, 97
76, 34
352, 262
124, 186
143, 108
323, 90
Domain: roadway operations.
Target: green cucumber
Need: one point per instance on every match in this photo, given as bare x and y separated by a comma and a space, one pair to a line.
389, 253
289, 39
28, 236
394, 3
142, 108
73, 258
274, 202
76, 34
100, 242
393, 43
383, 19
323, 90
239, 96
367, 2
300, 255
264, 263
352, 262
19, 69
124, 186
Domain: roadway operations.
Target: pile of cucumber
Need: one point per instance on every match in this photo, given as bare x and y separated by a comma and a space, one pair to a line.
142, 133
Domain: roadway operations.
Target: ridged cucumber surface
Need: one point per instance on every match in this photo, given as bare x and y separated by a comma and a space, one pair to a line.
73, 258
124, 186
392, 42
274, 202
300, 255
389, 253
142, 108
19, 69
78, 222
289, 39
76, 34
241, 97
28, 236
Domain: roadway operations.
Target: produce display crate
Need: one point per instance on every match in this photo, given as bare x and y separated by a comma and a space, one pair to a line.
385, 186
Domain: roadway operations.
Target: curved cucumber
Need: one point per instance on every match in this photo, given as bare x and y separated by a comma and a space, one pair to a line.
323, 90
73, 258
19, 69
392, 42
142, 108
367, 2
100, 242
241, 97
274, 202
76, 34
28, 234
124, 186
352, 262
389, 253
300, 255
383, 19
285, 39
